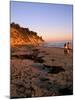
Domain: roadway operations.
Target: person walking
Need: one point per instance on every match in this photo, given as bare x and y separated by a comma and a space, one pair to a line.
65, 48
68, 47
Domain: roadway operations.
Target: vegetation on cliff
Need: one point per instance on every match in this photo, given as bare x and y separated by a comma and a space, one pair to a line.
23, 36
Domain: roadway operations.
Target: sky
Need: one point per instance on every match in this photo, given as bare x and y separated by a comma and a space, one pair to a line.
51, 21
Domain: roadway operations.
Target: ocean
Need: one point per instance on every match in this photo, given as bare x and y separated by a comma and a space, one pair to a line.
57, 44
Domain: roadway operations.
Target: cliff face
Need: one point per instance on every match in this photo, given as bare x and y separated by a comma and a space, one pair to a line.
23, 36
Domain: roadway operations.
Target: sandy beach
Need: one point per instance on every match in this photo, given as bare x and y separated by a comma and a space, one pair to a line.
41, 71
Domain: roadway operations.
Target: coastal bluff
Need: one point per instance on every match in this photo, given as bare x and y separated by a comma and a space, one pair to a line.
23, 36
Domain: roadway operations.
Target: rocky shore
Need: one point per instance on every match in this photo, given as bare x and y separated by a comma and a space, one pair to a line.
40, 71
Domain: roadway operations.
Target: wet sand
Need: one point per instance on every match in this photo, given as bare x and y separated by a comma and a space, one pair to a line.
41, 71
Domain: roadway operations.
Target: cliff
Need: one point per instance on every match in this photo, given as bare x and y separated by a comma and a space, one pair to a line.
23, 36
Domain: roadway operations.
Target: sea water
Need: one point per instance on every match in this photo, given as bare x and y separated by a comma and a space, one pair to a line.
57, 44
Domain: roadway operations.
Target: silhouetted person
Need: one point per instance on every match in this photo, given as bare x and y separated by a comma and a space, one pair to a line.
68, 48
65, 48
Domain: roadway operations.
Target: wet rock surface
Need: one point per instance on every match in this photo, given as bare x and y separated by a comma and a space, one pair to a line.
34, 56
49, 69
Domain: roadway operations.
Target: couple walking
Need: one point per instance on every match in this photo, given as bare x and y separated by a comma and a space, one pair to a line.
67, 48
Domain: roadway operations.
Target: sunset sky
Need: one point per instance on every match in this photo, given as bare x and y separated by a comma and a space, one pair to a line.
51, 21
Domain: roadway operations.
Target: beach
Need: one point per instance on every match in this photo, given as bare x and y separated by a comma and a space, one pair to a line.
38, 71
